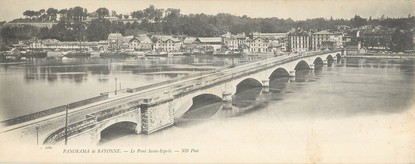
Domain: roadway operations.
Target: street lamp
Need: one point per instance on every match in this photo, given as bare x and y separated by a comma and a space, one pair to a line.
115, 86
37, 134
66, 123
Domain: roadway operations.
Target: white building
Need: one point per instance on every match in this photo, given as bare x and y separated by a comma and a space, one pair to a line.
326, 39
165, 43
299, 41
210, 42
115, 40
53, 44
141, 43
258, 45
234, 42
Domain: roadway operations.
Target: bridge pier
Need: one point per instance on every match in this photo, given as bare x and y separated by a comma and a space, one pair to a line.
325, 62
265, 86
156, 115
311, 66
95, 136
292, 73
226, 100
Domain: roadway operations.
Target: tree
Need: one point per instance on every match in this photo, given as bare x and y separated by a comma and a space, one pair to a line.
150, 12
37, 14
42, 11
63, 14
102, 12
138, 14
52, 14
358, 21
113, 13
158, 15
29, 13
78, 14
402, 40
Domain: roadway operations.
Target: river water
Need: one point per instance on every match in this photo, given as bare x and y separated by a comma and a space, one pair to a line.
41, 84
358, 110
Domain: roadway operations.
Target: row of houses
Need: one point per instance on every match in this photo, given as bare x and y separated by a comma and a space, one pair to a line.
53, 44
300, 41
294, 41
257, 43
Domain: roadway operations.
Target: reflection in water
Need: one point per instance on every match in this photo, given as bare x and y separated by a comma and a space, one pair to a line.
284, 88
302, 75
332, 92
246, 98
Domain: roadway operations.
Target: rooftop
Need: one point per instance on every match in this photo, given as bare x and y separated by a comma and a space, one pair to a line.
325, 32
164, 38
114, 35
209, 39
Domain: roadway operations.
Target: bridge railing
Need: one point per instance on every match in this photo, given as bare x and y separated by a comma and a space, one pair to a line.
132, 90
51, 111
90, 122
73, 129
117, 110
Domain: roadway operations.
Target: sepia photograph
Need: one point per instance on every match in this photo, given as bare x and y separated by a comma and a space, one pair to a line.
207, 81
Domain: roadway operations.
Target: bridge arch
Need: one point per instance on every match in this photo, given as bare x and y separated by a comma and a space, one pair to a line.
318, 61
111, 122
302, 65
329, 58
339, 57
55, 136
109, 130
278, 73
246, 84
192, 102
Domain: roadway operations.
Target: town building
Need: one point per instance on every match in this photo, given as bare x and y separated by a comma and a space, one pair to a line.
189, 40
326, 39
377, 40
125, 42
299, 41
166, 43
115, 41
269, 36
210, 43
234, 42
141, 43
258, 45
53, 44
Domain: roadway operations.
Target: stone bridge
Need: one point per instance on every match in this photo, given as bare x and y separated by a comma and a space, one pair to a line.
147, 110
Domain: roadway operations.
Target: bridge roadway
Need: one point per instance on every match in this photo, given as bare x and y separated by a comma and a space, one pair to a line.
174, 87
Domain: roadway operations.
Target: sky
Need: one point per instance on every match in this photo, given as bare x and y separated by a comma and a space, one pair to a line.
294, 9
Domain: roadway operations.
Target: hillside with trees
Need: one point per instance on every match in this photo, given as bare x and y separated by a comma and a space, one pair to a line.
72, 24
